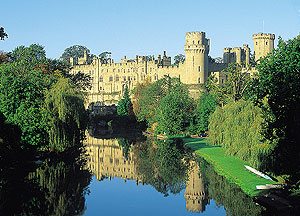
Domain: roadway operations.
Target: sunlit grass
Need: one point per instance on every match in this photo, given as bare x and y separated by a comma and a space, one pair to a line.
229, 166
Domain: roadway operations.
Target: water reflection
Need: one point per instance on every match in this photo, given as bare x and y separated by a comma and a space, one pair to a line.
169, 168
52, 187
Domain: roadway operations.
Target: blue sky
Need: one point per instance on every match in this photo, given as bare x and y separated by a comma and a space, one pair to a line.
130, 27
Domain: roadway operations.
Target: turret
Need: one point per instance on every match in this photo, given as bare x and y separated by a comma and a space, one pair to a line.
263, 44
247, 54
196, 50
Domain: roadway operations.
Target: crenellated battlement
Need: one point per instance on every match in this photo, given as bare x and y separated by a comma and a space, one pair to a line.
263, 36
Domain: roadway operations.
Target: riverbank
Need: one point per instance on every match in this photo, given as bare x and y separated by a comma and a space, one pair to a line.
229, 166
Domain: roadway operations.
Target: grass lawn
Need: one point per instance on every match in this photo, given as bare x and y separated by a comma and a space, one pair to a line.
229, 166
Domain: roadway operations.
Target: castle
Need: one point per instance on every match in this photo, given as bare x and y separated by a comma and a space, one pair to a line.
109, 78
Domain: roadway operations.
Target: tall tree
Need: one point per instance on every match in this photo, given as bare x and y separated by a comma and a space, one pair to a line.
3, 34
174, 111
125, 106
75, 51
207, 104
180, 58
279, 84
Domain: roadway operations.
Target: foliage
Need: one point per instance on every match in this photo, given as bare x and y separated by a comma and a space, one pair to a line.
174, 111
124, 107
104, 57
25, 59
21, 102
237, 127
180, 58
279, 84
137, 95
3, 34
4, 57
75, 51
65, 106
24, 82
234, 87
207, 104
151, 95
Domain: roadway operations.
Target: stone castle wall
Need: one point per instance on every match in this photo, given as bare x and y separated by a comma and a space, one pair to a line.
109, 79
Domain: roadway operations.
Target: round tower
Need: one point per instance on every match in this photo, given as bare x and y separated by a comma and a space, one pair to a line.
263, 44
196, 62
194, 195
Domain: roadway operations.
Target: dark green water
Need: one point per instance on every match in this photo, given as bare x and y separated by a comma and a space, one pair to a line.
121, 176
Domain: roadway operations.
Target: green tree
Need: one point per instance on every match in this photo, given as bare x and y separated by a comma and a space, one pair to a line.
21, 102
238, 128
64, 103
104, 57
279, 84
179, 59
3, 34
207, 104
124, 107
75, 51
151, 95
174, 111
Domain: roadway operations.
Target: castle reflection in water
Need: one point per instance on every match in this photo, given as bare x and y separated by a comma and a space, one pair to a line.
106, 159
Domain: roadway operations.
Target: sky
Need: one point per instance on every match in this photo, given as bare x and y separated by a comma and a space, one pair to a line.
138, 27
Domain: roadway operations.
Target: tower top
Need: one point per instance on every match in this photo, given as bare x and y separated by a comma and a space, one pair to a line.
264, 36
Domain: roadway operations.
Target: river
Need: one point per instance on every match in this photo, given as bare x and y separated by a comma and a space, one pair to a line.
122, 176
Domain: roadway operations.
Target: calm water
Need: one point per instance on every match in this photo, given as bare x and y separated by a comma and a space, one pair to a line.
121, 176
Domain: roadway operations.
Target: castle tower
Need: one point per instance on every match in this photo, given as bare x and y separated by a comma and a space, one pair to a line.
195, 197
196, 63
247, 54
227, 55
263, 44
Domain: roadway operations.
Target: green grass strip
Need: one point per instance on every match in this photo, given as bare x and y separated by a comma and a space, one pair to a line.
228, 166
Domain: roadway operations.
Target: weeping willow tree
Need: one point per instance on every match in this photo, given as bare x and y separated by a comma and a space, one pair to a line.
238, 127
65, 105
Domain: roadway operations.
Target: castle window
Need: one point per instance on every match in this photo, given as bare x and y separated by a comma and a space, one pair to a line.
101, 79
117, 78
267, 43
128, 70
124, 78
199, 80
128, 78
118, 70
199, 68
106, 70
111, 79
256, 43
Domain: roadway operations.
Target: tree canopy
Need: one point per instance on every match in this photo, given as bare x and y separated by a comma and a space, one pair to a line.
278, 84
75, 51
3, 34
180, 58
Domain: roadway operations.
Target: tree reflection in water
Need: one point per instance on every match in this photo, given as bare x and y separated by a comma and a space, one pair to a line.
162, 164
56, 187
